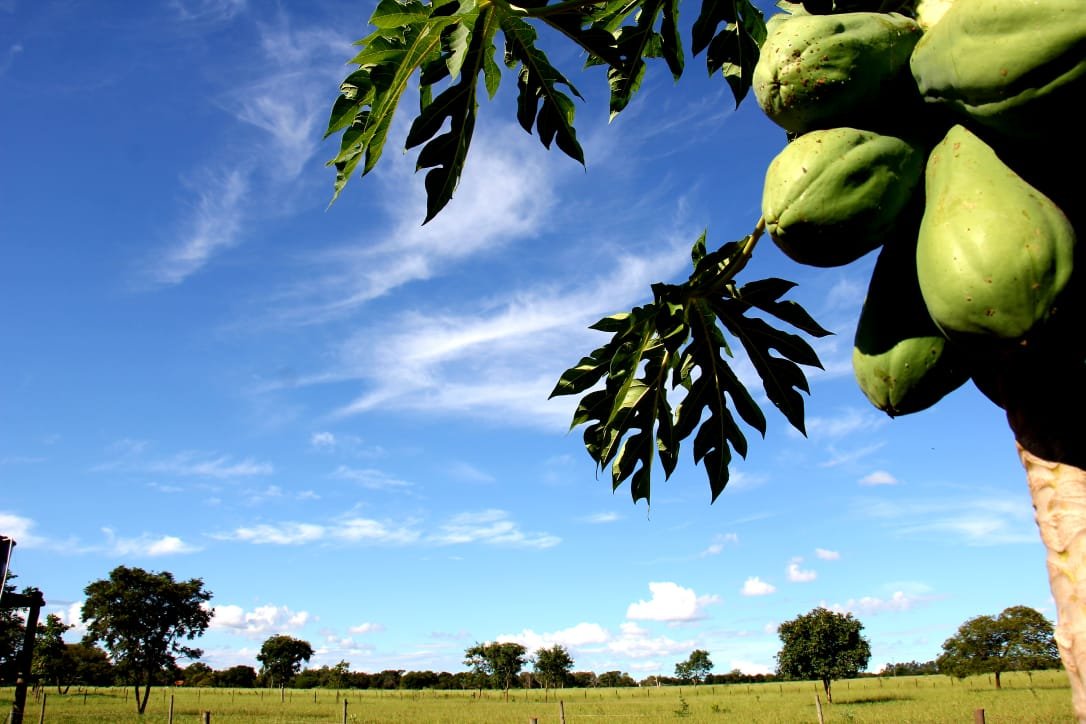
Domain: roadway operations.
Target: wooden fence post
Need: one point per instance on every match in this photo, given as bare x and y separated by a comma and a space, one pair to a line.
344, 710
978, 716
818, 708
41, 716
205, 718
170, 719
561, 712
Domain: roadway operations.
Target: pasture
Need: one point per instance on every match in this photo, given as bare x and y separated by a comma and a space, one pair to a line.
1043, 697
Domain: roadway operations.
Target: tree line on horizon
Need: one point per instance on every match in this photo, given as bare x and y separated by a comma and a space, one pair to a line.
138, 624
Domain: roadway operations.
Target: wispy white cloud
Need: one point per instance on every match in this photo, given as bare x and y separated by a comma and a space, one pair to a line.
601, 518
879, 477
491, 527
871, 605
258, 622
755, 586
827, 555
851, 455
670, 602
132, 457
981, 520
720, 541
369, 478
846, 423
366, 628
8, 58
636, 642
207, 11
214, 225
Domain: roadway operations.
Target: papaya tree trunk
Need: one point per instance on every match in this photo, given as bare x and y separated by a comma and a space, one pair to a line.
1059, 499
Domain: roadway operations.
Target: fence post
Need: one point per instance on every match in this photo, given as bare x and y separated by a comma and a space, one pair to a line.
818, 708
344, 710
170, 719
978, 716
205, 718
561, 712
41, 717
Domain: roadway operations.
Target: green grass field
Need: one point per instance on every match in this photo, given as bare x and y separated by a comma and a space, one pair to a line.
1024, 699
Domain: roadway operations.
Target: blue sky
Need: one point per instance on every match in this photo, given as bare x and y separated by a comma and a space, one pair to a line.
338, 418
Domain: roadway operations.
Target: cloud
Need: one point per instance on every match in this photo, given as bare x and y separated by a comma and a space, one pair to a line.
749, 667
719, 542
575, 637
634, 642
844, 457
755, 586
827, 555
366, 628
670, 602
322, 440
845, 424
980, 520
207, 11
146, 545
491, 527
258, 622
870, 605
878, 477
8, 59
601, 518
18, 528
369, 478
131, 459
214, 225
797, 575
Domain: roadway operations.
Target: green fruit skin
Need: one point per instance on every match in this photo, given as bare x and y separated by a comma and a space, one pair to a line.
993, 253
823, 71
833, 195
1015, 66
902, 362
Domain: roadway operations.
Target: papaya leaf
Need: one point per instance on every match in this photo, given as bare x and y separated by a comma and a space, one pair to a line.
733, 50
680, 341
540, 102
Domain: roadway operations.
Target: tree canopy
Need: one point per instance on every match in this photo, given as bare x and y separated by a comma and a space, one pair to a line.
696, 667
143, 618
552, 665
1018, 639
281, 658
822, 645
499, 662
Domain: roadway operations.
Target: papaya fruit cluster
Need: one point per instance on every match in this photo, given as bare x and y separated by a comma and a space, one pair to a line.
947, 134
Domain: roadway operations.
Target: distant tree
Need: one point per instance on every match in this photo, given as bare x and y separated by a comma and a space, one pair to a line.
281, 658
694, 668
910, 668
1018, 639
822, 645
500, 663
552, 666
51, 661
584, 679
142, 618
90, 665
417, 680
198, 674
616, 679
236, 677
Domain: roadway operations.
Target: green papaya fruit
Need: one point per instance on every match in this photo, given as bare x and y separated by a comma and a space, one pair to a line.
847, 69
1015, 66
832, 196
902, 362
993, 254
